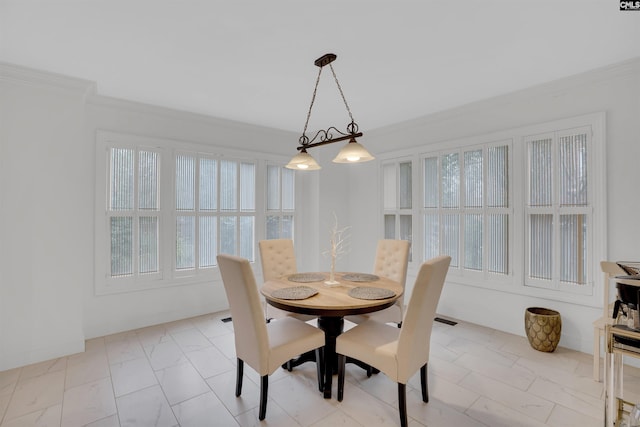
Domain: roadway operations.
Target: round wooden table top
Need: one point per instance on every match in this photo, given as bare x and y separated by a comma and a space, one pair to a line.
331, 300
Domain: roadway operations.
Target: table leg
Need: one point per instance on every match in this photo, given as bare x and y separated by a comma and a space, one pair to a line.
332, 327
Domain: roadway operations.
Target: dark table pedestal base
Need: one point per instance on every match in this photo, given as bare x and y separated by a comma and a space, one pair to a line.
332, 326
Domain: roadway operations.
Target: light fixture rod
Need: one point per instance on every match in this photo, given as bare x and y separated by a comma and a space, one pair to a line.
329, 141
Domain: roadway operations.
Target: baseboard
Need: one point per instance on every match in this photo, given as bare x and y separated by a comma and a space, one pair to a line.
9, 360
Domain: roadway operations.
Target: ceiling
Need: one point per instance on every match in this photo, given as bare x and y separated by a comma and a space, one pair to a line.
252, 61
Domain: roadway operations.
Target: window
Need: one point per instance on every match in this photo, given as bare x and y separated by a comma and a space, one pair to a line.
133, 212
166, 209
466, 208
280, 194
213, 198
558, 210
397, 196
521, 210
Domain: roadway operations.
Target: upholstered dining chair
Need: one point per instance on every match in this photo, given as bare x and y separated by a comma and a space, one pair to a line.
399, 353
278, 258
263, 346
392, 260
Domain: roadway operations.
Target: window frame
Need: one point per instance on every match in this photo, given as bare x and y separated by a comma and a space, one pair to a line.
557, 210
136, 212
398, 211
168, 276
281, 211
515, 281
464, 274
218, 213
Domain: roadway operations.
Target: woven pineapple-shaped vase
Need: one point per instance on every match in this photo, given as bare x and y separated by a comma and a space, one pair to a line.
543, 327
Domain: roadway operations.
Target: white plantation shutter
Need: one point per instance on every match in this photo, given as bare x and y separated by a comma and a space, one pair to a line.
164, 226
186, 211
498, 243
466, 208
390, 186
520, 210
558, 208
214, 198
473, 201
208, 237
133, 211
397, 194
498, 209
280, 202
450, 243
121, 228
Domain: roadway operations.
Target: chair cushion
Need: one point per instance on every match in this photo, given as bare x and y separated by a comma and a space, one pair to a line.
288, 338
373, 343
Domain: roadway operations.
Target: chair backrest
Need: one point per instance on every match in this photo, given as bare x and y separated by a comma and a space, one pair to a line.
392, 259
415, 335
251, 337
278, 258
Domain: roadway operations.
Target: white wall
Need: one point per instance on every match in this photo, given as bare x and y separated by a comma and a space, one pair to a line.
47, 154
106, 314
48, 306
615, 90
46, 215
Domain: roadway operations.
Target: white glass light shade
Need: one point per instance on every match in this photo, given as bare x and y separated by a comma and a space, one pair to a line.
353, 153
303, 162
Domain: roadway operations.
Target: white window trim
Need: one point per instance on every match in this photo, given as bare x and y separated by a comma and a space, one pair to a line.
281, 211
398, 211
460, 274
555, 210
514, 282
206, 272
167, 277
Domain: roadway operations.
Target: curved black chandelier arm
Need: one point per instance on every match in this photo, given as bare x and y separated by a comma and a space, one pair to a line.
326, 136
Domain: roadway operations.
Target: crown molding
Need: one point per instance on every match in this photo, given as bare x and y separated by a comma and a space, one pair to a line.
555, 88
170, 113
28, 76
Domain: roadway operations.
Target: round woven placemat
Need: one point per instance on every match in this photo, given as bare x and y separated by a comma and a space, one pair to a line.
306, 277
367, 292
360, 277
296, 292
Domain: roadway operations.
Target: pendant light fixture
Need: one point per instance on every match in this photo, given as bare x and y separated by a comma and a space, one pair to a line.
352, 152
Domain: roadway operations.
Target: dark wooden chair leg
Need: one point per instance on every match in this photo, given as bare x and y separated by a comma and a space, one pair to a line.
342, 360
402, 404
423, 383
320, 367
239, 377
264, 388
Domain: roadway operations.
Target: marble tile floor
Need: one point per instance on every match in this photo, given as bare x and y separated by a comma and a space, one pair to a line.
183, 374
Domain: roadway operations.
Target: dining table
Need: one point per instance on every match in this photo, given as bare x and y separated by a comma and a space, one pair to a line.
348, 294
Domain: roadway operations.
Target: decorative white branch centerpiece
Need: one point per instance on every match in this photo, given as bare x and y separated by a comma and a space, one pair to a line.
338, 240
